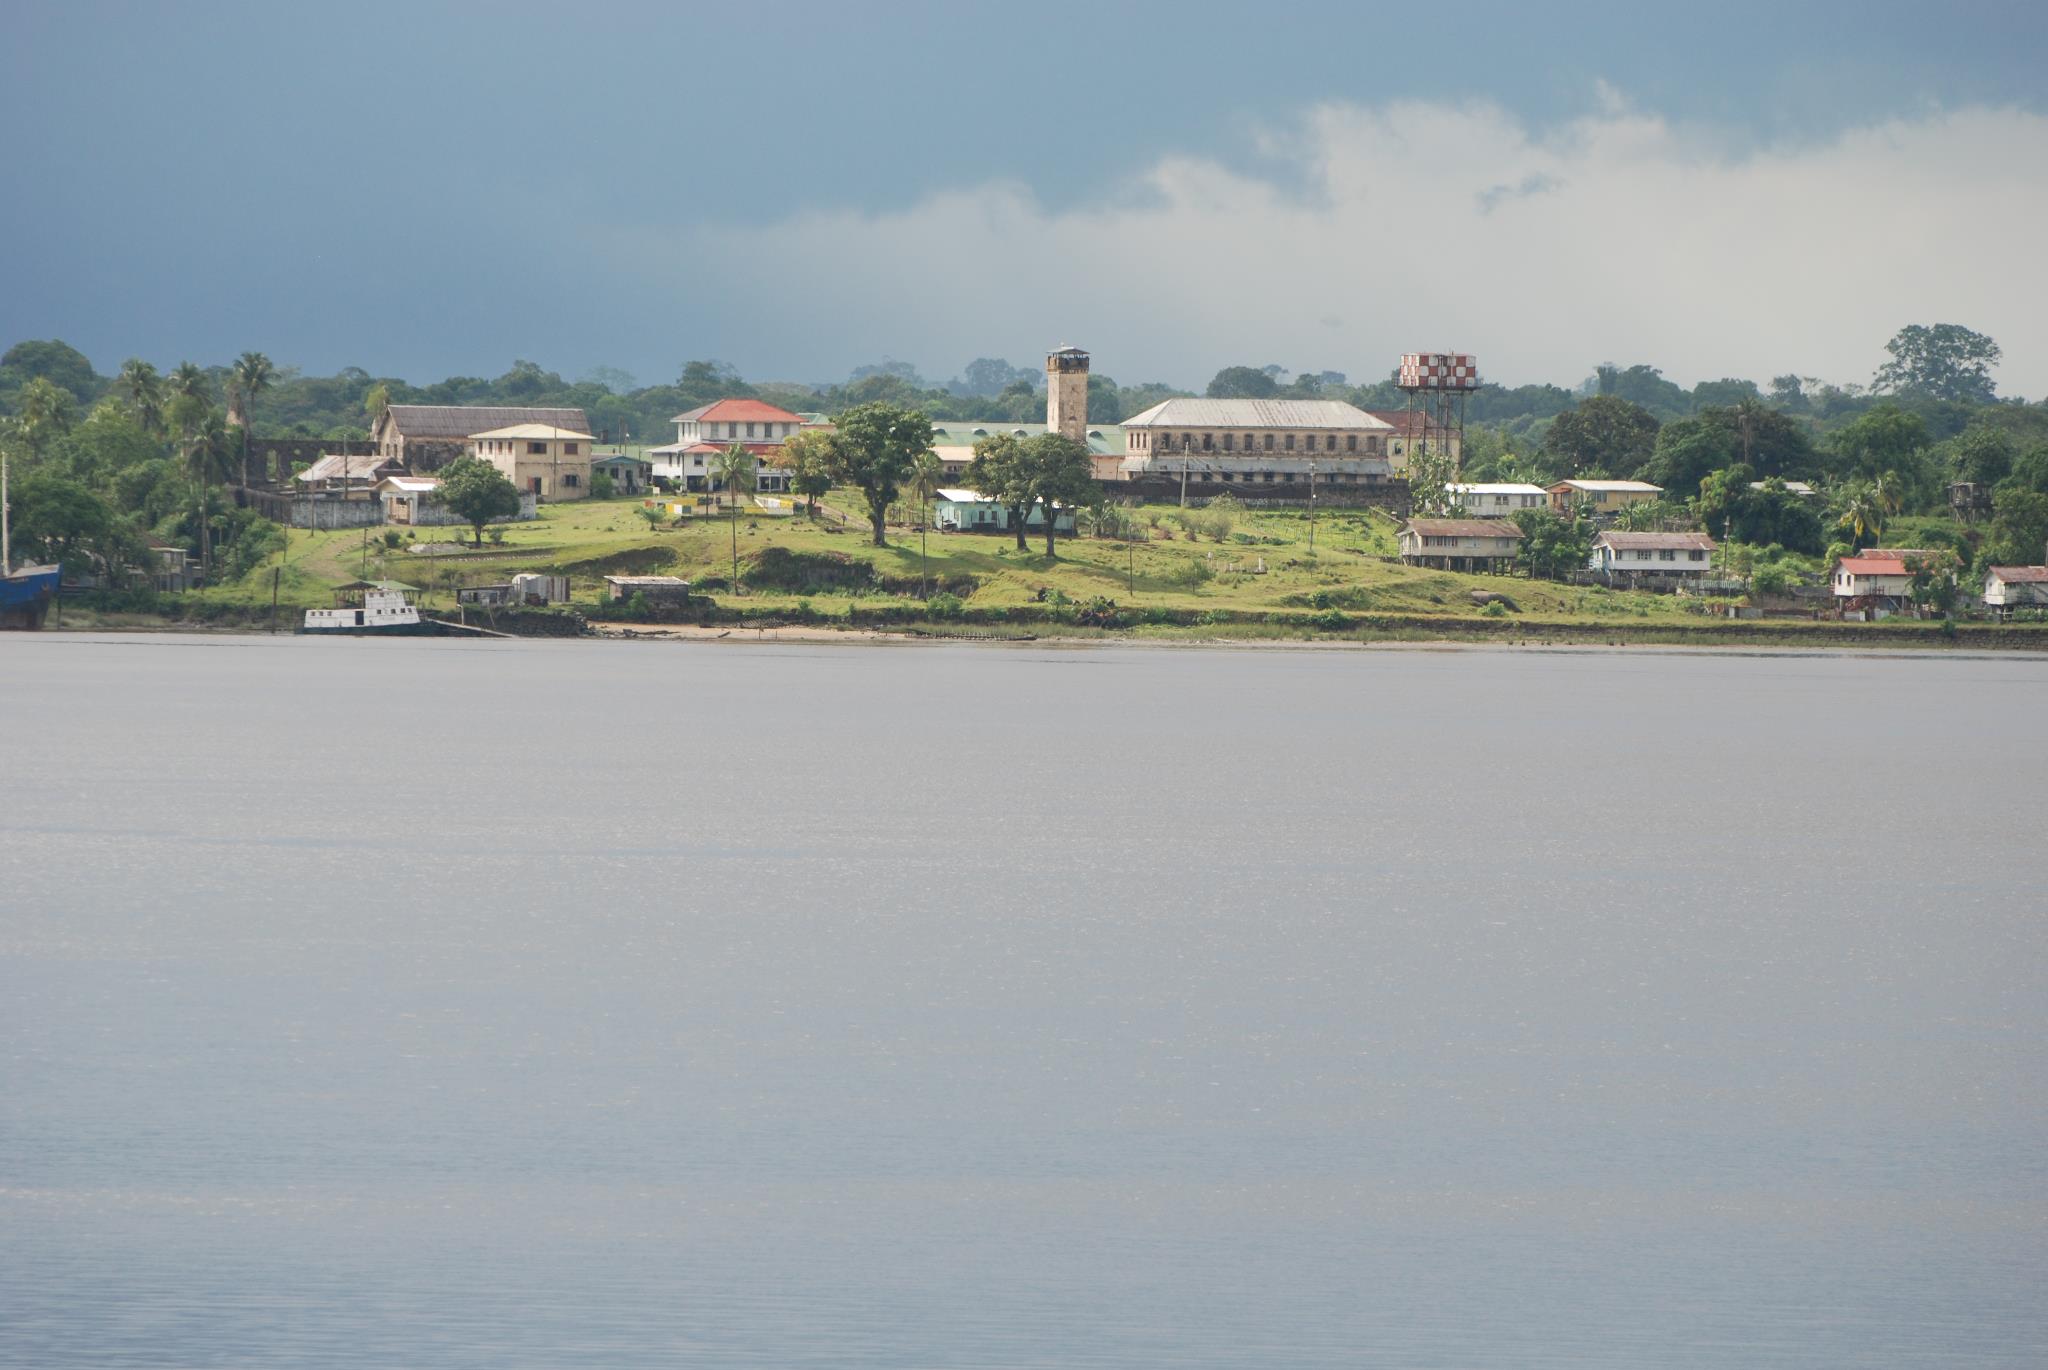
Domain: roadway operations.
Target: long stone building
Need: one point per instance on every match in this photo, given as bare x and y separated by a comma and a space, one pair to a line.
1260, 444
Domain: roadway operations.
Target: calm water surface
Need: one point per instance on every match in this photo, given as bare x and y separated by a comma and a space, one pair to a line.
462, 1005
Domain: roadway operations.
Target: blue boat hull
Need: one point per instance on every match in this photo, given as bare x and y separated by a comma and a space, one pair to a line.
26, 596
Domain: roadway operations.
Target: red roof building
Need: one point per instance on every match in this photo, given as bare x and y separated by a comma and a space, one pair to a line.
709, 429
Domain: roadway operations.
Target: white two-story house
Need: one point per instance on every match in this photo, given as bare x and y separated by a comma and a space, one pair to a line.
1498, 501
707, 430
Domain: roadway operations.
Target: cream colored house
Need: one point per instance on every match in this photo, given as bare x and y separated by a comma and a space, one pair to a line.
1255, 442
1604, 496
546, 462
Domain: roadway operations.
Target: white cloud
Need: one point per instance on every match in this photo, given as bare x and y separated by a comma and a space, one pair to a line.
1619, 237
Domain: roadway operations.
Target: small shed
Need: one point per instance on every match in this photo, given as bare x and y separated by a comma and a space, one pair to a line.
630, 475
970, 511
656, 589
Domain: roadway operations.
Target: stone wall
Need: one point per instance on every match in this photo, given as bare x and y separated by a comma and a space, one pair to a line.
271, 459
1391, 495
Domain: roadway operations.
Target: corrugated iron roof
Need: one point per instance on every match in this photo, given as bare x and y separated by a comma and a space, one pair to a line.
2022, 575
436, 421
534, 430
1464, 528
1207, 413
1657, 542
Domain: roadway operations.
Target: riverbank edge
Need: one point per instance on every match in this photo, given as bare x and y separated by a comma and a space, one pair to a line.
1277, 629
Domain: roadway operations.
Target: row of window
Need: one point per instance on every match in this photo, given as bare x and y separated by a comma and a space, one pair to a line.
1209, 442
1282, 477
1664, 554
503, 447
732, 430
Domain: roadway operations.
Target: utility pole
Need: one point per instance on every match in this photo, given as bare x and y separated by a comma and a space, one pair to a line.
1183, 470
1311, 508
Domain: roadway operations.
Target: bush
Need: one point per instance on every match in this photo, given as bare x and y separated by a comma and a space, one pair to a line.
601, 486
1335, 621
943, 607
1191, 574
1495, 609
496, 535
393, 538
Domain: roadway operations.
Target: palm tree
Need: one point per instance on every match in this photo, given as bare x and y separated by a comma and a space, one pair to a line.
925, 474
1863, 512
729, 468
203, 443
1890, 489
249, 377
1749, 417
145, 393
188, 379
43, 410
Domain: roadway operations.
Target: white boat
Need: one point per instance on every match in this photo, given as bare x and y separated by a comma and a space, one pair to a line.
383, 613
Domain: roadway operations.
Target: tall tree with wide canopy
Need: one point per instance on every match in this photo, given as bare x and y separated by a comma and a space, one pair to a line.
1943, 361
476, 492
1604, 433
873, 451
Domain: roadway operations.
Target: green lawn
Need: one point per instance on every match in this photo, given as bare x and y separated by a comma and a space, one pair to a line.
1264, 565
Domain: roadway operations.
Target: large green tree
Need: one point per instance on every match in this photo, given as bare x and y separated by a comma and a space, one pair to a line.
44, 411
57, 362
60, 517
1943, 361
1062, 477
1554, 545
807, 456
1602, 434
2019, 529
873, 451
476, 492
1243, 383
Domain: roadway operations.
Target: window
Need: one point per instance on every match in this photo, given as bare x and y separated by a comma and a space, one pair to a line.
568, 449
1667, 554
1247, 442
1351, 442
536, 449
1289, 444
569, 480
1287, 478
1696, 556
1642, 556
1330, 443
1268, 477
750, 430
1208, 442
1230, 442
1269, 442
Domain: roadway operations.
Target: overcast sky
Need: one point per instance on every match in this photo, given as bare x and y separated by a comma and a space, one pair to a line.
424, 190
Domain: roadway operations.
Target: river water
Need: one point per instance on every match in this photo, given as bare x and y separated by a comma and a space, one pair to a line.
441, 1004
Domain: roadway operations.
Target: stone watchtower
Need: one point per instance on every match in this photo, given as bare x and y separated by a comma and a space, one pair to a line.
1066, 393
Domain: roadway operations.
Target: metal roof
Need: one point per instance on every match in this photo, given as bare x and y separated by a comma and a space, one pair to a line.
533, 430
464, 420
1464, 528
739, 410
1497, 489
1648, 542
1297, 414
1623, 485
2022, 575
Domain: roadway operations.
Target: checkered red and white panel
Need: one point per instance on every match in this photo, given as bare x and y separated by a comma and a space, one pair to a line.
1439, 370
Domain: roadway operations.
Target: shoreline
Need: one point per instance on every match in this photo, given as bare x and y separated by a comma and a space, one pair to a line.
1801, 640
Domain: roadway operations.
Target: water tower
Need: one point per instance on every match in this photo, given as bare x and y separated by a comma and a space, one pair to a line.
1437, 384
